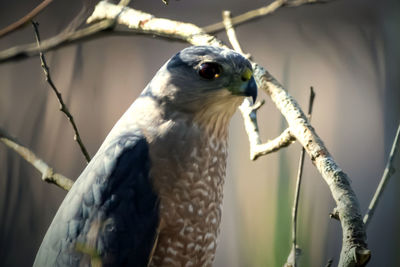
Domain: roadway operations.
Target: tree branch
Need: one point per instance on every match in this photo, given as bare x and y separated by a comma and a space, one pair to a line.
249, 111
48, 175
103, 28
63, 107
24, 20
354, 249
260, 12
387, 173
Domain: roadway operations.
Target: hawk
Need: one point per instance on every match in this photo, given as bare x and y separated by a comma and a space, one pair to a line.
152, 194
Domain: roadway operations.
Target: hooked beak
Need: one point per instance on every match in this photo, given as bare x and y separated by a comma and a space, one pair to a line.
251, 89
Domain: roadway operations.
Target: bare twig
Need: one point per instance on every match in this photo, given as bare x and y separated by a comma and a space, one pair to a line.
63, 107
24, 20
387, 173
285, 139
230, 31
293, 260
249, 111
257, 13
48, 175
257, 149
354, 249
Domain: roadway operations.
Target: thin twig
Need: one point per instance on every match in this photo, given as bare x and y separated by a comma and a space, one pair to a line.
24, 20
297, 190
257, 149
285, 139
387, 173
48, 175
63, 107
257, 13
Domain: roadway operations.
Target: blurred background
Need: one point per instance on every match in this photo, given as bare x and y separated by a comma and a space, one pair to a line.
348, 50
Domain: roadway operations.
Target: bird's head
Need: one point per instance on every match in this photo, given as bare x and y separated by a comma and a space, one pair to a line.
205, 81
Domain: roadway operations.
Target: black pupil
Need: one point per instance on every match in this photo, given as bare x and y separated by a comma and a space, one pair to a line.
210, 70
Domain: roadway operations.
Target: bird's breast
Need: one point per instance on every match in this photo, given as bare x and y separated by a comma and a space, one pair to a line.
189, 180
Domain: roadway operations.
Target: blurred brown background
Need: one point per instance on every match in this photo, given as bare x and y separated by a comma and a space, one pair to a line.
348, 50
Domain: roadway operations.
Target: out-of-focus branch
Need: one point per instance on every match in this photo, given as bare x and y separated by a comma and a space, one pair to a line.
295, 251
63, 108
354, 249
24, 20
260, 12
387, 173
60, 40
48, 175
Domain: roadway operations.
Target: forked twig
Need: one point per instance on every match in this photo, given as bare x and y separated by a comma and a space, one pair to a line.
63, 107
249, 110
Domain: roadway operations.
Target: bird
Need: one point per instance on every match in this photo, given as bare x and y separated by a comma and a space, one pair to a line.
152, 194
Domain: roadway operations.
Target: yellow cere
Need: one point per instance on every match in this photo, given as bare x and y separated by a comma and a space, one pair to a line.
247, 74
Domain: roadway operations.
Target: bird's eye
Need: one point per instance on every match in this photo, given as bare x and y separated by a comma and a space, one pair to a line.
210, 70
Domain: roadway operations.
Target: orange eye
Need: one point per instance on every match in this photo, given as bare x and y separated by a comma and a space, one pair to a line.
210, 70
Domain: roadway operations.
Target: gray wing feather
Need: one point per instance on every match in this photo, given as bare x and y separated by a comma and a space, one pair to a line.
110, 215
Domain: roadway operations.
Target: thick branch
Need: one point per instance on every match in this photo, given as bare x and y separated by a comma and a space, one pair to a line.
354, 249
48, 175
388, 172
63, 108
